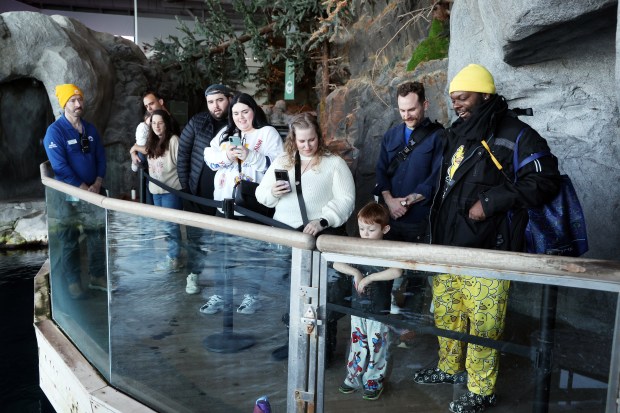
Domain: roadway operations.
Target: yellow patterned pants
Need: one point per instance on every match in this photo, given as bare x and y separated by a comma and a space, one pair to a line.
463, 301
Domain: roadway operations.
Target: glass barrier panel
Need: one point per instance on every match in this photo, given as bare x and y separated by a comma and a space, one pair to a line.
171, 356
77, 251
380, 334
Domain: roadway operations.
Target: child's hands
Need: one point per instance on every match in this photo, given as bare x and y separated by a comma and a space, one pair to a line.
361, 283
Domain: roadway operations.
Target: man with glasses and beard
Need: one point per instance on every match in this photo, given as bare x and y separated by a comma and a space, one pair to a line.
76, 154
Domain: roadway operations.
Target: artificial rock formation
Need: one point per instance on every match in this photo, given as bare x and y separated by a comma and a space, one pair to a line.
23, 224
111, 71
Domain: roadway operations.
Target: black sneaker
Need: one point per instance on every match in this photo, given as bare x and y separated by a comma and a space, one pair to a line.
372, 394
435, 376
472, 403
346, 389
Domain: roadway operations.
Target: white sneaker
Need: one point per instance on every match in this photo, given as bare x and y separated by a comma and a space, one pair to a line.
214, 305
192, 284
249, 305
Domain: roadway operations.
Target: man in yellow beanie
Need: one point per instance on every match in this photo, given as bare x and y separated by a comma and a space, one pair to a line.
77, 156
471, 209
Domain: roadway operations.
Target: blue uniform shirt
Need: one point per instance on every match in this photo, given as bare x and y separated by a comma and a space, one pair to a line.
64, 150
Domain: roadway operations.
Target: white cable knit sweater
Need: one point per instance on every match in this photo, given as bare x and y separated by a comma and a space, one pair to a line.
328, 190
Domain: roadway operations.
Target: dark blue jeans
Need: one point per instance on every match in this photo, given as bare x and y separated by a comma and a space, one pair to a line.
173, 230
147, 194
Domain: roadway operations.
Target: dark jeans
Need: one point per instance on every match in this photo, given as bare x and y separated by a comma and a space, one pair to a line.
173, 230
147, 194
415, 232
197, 238
236, 266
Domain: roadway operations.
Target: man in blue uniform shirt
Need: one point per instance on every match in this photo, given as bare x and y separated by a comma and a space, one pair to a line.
77, 156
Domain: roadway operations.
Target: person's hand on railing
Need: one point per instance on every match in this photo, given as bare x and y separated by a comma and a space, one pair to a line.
96, 186
313, 227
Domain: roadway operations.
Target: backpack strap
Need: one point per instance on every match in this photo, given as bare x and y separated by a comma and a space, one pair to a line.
515, 160
423, 131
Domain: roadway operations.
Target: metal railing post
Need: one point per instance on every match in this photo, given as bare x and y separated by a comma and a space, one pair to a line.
545, 348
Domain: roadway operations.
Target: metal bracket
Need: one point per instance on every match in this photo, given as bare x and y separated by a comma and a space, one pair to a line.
310, 319
304, 396
309, 292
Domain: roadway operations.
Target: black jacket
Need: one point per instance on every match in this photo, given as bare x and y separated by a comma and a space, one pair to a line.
196, 136
478, 178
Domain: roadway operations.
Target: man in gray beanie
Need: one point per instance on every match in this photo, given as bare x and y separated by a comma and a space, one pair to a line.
195, 177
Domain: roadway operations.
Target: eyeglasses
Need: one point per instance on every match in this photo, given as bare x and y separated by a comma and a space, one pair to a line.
85, 143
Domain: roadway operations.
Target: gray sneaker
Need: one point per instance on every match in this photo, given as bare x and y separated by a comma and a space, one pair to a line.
192, 284
249, 305
214, 305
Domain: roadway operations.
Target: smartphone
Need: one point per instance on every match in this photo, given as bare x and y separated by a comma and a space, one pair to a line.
235, 140
282, 175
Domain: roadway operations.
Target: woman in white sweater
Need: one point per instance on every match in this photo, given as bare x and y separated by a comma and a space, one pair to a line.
328, 194
326, 181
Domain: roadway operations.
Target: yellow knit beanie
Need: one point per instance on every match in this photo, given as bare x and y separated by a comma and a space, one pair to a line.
473, 78
64, 93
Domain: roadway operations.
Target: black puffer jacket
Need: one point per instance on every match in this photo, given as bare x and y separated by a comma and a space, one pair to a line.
196, 136
478, 178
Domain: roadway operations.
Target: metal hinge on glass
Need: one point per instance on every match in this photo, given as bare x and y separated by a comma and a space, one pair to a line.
310, 320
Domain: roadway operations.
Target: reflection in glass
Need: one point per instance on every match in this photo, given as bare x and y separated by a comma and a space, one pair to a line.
581, 337
77, 251
159, 338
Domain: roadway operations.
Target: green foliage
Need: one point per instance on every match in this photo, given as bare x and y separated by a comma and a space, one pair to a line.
297, 27
435, 46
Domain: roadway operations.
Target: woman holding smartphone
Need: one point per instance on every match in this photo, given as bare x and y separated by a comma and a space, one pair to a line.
328, 195
242, 150
248, 141
326, 181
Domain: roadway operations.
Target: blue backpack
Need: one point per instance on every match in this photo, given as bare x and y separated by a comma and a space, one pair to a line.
559, 226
